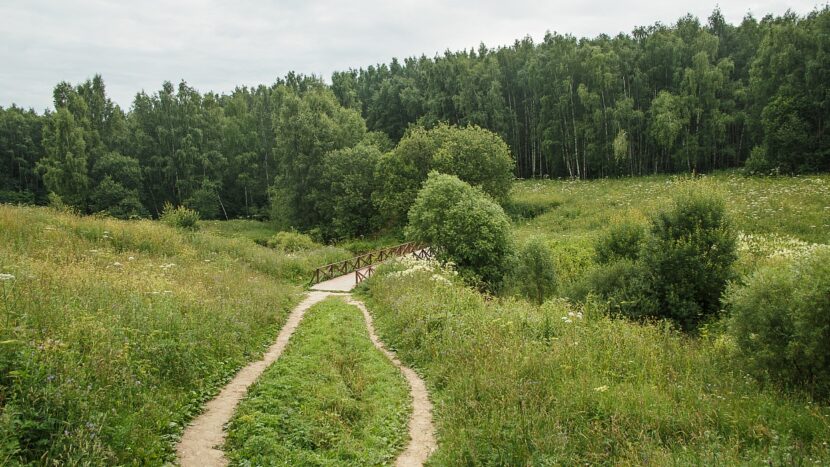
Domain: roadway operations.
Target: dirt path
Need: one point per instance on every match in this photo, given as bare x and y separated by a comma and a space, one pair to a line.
421, 439
201, 440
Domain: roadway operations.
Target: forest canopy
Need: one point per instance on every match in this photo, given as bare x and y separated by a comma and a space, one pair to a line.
691, 96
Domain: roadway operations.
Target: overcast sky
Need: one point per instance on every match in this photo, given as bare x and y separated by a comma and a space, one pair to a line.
217, 45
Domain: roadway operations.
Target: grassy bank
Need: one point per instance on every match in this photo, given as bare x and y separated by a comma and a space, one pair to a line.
113, 333
331, 399
515, 384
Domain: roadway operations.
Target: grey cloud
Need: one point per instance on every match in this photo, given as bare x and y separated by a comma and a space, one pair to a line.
216, 45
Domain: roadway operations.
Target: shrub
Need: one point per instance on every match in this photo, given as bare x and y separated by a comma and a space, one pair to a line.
758, 163
621, 285
463, 225
687, 258
180, 217
291, 242
535, 274
623, 240
781, 321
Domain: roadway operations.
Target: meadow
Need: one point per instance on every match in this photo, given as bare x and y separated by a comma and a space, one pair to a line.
771, 213
113, 333
331, 399
565, 383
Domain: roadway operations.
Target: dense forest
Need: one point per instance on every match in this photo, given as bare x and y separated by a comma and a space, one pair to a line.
679, 98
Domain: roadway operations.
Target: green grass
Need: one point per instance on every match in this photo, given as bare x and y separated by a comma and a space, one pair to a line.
774, 209
113, 333
256, 231
516, 384
331, 399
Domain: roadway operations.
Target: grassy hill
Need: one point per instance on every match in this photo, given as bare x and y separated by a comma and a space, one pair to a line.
112, 333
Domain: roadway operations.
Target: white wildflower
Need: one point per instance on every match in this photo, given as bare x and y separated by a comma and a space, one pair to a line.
6, 277
117, 264
131, 258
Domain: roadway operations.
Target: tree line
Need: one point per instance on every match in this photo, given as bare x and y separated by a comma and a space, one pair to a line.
348, 158
665, 98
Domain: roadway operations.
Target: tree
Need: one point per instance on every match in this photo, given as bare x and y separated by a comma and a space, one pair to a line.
462, 225
477, 156
349, 175
64, 167
535, 273
308, 127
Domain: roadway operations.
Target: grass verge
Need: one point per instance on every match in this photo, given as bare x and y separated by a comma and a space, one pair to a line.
332, 398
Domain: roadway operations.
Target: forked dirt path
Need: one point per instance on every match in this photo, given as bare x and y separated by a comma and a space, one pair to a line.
202, 439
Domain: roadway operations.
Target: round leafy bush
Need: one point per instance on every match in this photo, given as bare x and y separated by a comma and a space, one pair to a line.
781, 321
464, 226
180, 217
687, 257
291, 242
474, 154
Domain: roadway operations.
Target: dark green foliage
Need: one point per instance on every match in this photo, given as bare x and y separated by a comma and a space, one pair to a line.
781, 320
535, 274
64, 167
205, 200
112, 198
180, 217
687, 257
464, 226
623, 240
350, 177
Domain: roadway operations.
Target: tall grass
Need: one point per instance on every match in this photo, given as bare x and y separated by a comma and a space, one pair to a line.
332, 399
113, 333
516, 384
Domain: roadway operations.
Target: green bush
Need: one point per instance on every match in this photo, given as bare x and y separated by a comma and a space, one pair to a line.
535, 274
781, 321
180, 217
464, 226
474, 154
623, 240
291, 242
621, 285
687, 258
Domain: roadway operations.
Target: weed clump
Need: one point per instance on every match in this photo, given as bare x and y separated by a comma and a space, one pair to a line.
180, 217
291, 242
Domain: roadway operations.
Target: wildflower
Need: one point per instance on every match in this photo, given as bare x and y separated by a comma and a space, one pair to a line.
601, 388
50, 378
6, 277
117, 264
131, 258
